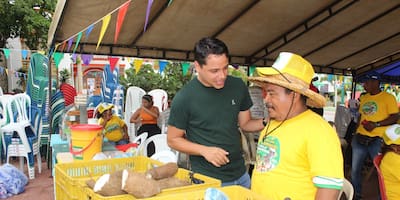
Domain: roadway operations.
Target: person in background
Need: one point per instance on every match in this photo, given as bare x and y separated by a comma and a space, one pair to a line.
298, 152
319, 111
378, 110
147, 116
391, 161
114, 128
206, 114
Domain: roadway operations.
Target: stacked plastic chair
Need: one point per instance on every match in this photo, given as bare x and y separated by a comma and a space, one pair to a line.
38, 90
21, 136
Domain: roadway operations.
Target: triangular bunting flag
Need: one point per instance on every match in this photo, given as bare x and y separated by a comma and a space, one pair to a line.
86, 58
70, 43
162, 64
137, 63
251, 70
78, 39
185, 67
24, 54
106, 21
63, 46
149, 3
57, 56
88, 31
6, 52
120, 19
113, 61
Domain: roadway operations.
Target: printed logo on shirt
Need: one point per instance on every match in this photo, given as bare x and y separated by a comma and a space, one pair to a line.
233, 102
369, 108
268, 153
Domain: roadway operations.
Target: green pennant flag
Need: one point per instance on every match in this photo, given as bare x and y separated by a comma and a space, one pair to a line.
251, 70
78, 39
57, 56
185, 68
6, 52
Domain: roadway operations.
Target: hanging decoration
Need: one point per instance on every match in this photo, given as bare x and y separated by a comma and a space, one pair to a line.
137, 63
149, 4
57, 56
162, 64
70, 43
86, 58
24, 54
251, 70
120, 19
113, 61
6, 52
106, 21
185, 67
88, 31
78, 39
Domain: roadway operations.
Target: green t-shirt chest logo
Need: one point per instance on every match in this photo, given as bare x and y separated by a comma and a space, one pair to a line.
369, 108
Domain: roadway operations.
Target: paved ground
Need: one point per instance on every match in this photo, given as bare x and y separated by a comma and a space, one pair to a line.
39, 188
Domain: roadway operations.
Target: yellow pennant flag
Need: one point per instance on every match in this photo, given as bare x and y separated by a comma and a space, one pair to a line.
106, 21
137, 63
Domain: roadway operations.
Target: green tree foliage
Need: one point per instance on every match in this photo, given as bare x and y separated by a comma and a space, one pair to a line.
18, 18
171, 81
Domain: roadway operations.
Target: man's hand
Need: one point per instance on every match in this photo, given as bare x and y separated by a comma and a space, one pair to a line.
368, 125
216, 156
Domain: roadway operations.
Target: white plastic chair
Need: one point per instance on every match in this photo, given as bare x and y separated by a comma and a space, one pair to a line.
133, 101
160, 144
160, 99
141, 141
19, 110
165, 156
163, 120
347, 189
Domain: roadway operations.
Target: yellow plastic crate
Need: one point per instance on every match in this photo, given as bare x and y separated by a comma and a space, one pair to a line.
70, 178
233, 192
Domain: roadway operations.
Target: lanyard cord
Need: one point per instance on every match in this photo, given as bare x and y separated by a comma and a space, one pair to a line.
279, 125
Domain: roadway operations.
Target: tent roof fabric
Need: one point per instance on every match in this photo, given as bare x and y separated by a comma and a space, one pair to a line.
346, 37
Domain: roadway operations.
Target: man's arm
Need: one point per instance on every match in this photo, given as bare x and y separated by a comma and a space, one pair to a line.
176, 140
248, 124
326, 194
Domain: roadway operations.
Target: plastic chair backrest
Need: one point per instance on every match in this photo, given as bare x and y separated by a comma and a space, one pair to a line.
377, 162
165, 156
19, 108
133, 101
160, 99
4, 100
347, 189
160, 143
141, 141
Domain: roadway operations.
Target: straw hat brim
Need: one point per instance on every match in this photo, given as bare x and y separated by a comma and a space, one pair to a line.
313, 99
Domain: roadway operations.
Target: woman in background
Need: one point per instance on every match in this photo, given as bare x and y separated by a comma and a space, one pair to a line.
147, 115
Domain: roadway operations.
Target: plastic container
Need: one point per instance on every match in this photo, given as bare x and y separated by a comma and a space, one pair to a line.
86, 141
70, 178
233, 192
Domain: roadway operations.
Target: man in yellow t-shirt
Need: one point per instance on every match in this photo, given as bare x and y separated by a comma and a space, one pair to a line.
378, 110
298, 153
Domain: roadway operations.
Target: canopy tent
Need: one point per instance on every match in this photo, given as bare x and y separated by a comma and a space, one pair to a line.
348, 37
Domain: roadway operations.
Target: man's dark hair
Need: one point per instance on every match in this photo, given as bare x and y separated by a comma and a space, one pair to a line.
207, 46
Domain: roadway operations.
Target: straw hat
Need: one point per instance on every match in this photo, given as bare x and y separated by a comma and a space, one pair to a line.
103, 107
293, 72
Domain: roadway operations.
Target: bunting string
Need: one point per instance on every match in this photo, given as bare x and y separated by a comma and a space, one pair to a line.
90, 27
